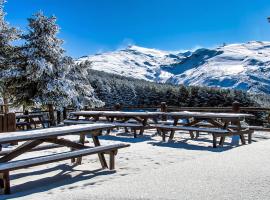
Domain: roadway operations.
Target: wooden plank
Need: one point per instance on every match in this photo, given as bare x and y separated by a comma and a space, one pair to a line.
112, 160
81, 141
13, 165
65, 142
190, 128
11, 121
5, 124
187, 114
20, 150
100, 155
40, 148
1, 123
51, 132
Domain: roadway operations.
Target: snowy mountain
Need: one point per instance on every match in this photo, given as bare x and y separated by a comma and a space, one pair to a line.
136, 62
240, 66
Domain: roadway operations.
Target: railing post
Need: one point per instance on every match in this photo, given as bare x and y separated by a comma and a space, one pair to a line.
164, 108
64, 113
51, 114
58, 112
236, 107
117, 107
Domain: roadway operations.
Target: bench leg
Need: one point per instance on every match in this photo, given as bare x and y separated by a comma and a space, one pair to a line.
214, 141
81, 141
171, 135
141, 131
164, 135
197, 134
5, 182
250, 137
112, 160
158, 131
135, 133
126, 130
222, 140
191, 134
242, 137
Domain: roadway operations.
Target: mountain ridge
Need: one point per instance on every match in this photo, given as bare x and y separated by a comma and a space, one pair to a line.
244, 66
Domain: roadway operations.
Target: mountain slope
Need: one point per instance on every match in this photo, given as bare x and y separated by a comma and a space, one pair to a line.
241, 66
136, 62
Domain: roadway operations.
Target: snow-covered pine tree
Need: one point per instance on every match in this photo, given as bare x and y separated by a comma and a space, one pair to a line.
84, 94
47, 67
7, 53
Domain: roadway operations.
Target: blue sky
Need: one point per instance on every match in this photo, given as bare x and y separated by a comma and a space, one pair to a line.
91, 26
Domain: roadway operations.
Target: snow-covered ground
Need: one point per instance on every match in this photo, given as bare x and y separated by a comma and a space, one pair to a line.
151, 169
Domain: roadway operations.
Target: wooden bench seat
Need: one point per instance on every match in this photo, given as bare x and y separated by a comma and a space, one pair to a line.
5, 168
254, 128
22, 125
74, 121
222, 133
132, 125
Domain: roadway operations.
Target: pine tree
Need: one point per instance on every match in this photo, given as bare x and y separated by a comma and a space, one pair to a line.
47, 70
7, 53
84, 94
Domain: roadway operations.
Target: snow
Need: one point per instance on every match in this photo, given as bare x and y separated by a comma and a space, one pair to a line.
239, 66
244, 66
136, 62
151, 169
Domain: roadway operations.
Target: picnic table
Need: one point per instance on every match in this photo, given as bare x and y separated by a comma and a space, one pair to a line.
34, 138
124, 119
219, 120
31, 119
140, 117
222, 124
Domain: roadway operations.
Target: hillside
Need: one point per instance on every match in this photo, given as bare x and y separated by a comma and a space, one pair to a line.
240, 66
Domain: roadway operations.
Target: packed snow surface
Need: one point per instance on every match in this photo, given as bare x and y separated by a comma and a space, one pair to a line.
151, 169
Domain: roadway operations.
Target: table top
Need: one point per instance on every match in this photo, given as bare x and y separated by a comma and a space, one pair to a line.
210, 115
51, 132
29, 116
173, 114
116, 113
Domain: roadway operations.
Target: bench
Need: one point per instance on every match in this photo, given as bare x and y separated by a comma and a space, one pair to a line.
222, 133
132, 125
22, 125
6, 167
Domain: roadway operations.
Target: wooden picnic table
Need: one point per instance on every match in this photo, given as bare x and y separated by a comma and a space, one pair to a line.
28, 120
141, 118
216, 120
220, 120
111, 116
34, 138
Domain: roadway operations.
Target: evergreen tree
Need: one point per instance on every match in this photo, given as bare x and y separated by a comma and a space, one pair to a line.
47, 71
7, 53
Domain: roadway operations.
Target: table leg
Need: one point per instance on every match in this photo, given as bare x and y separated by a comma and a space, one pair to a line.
109, 130
100, 155
81, 141
175, 120
41, 119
